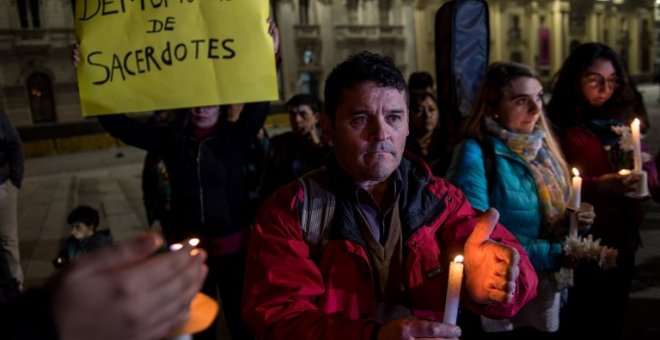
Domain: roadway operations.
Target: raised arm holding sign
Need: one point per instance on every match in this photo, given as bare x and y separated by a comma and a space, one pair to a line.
172, 54
203, 154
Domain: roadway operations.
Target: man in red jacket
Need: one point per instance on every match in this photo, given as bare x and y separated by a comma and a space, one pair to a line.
379, 268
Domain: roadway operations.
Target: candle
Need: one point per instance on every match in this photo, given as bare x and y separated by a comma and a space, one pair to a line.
194, 242
624, 172
453, 290
637, 146
577, 189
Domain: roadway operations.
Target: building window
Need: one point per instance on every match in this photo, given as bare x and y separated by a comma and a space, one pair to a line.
304, 11
28, 13
42, 103
309, 83
308, 57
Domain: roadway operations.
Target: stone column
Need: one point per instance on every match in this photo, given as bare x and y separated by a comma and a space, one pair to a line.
408, 22
287, 18
634, 53
533, 34
559, 34
328, 53
496, 32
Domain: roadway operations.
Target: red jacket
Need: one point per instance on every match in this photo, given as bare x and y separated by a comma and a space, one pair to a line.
288, 295
617, 217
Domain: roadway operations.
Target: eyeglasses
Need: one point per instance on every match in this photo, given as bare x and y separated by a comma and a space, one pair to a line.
595, 80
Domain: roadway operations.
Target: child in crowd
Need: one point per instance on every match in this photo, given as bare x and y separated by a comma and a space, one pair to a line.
84, 237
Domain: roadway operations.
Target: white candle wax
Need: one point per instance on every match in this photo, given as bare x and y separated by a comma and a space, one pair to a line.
453, 290
637, 146
576, 183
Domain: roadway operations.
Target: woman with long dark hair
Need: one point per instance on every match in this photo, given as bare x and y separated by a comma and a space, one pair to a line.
593, 103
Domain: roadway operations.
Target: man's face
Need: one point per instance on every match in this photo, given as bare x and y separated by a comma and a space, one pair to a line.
302, 119
369, 132
205, 117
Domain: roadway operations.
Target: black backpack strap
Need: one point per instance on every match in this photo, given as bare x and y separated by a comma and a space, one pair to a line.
318, 208
488, 153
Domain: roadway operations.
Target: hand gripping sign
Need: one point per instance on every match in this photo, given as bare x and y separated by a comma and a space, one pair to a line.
145, 55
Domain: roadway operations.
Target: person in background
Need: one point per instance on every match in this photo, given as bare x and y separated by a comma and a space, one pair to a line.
85, 236
294, 153
204, 156
125, 291
510, 160
253, 169
376, 267
156, 187
425, 139
592, 106
11, 176
421, 82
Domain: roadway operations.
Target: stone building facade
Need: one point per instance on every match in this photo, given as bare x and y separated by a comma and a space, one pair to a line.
37, 80
317, 34
541, 33
38, 83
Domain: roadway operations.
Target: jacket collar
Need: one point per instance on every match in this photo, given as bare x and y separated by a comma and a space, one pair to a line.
418, 205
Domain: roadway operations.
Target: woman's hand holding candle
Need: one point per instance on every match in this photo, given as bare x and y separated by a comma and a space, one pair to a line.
491, 268
615, 184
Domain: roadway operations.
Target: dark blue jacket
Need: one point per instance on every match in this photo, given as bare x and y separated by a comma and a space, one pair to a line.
206, 175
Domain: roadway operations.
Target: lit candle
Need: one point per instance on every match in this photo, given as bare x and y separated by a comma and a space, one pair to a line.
453, 290
637, 146
194, 242
624, 172
577, 189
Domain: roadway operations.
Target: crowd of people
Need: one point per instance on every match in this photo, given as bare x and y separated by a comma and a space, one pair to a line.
345, 226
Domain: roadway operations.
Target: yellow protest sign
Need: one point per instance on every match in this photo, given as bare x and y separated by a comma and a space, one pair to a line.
143, 55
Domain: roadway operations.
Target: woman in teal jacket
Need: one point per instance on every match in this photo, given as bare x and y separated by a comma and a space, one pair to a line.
510, 160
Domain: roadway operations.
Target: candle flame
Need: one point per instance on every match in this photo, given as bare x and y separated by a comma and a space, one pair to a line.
458, 258
176, 246
624, 172
576, 172
193, 241
635, 122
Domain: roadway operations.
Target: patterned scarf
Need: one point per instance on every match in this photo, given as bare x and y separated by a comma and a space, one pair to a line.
548, 175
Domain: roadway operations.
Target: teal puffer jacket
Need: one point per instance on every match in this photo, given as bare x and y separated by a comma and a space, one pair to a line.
513, 193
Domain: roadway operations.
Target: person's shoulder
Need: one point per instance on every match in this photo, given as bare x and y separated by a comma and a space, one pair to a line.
282, 137
101, 236
285, 198
471, 145
284, 140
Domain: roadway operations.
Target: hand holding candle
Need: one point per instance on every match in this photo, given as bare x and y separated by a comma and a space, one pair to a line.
453, 290
491, 268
